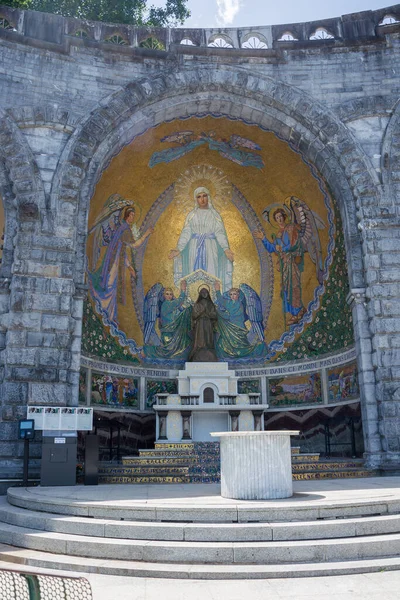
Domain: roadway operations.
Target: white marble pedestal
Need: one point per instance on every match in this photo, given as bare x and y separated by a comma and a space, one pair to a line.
256, 465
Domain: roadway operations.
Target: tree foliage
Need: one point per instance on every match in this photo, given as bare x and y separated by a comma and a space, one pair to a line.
134, 12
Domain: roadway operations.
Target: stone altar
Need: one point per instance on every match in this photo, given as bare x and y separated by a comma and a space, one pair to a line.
207, 399
256, 465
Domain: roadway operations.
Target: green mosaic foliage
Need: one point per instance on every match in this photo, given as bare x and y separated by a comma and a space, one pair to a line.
332, 327
249, 386
96, 341
167, 386
82, 386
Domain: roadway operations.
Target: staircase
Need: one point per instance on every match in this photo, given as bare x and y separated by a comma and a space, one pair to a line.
199, 462
191, 532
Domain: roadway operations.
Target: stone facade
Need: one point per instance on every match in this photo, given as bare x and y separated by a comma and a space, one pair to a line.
71, 99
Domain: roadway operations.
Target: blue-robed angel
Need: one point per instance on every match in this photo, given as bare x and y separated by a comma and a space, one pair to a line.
114, 229
235, 308
297, 234
173, 319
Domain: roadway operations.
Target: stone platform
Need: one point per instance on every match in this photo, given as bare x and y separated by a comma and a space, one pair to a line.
189, 531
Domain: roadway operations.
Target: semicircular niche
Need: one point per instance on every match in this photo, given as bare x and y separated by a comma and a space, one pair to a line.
219, 203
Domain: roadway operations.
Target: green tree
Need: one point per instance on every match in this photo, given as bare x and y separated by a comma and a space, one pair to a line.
135, 12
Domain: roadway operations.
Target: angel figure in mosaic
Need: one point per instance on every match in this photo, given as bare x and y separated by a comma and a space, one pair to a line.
114, 228
237, 307
172, 315
297, 234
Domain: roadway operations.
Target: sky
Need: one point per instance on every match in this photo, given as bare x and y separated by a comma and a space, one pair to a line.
243, 13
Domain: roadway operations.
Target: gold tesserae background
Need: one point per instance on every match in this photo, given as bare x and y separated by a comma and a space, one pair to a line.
284, 174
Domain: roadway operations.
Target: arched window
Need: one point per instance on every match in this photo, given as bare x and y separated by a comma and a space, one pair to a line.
321, 34
81, 33
152, 43
116, 39
255, 41
388, 20
208, 395
287, 36
217, 41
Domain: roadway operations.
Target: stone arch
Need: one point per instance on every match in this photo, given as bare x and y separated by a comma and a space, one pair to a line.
391, 155
21, 186
366, 107
209, 385
297, 119
308, 127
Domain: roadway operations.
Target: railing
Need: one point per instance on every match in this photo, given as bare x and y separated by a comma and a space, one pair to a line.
253, 41
34, 586
255, 398
161, 399
190, 400
227, 400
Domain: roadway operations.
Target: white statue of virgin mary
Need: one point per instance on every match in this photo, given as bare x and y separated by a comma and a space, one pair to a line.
203, 243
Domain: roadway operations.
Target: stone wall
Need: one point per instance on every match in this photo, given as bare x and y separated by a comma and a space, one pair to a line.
70, 101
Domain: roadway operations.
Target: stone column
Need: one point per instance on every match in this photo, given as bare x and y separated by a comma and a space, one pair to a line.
186, 425
264, 390
257, 414
142, 393
234, 414
162, 425
369, 408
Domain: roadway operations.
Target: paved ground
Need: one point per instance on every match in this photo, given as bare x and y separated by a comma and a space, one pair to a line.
371, 586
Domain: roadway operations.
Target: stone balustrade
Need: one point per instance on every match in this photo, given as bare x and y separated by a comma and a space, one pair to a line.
264, 41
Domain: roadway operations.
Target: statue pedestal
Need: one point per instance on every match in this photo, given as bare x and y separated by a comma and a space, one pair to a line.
256, 465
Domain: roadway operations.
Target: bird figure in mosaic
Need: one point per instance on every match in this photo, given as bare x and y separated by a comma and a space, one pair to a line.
237, 149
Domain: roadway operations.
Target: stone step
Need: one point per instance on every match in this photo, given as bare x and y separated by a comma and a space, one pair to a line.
203, 532
174, 445
327, 466
12, 556
140, 479
139, 461
201, 474
134, 471
305, 457
210, 553
167, 453
215, 478
334, 474
195, 510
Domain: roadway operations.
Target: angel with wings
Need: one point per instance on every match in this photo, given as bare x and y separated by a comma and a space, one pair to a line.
114, 228
297, 234
236, 307
172, 315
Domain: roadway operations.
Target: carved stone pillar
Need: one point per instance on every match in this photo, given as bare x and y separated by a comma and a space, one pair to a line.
186, 425
162, 425
366, 376
257, 414
234, 420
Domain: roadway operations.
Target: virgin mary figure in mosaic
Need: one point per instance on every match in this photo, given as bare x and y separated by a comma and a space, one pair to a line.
203, 243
